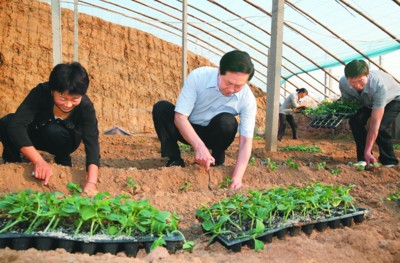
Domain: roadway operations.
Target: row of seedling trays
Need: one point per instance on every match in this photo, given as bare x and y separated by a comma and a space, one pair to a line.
256, 218
105, 224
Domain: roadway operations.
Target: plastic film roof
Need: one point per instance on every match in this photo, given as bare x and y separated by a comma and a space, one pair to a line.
317, 34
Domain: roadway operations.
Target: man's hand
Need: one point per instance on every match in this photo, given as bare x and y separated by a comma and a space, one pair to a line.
42, 170
204, 158
369, 158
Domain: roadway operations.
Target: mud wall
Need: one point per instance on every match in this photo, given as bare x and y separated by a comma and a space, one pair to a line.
129, 69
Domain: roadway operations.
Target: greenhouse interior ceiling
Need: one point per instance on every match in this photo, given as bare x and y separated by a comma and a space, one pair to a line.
317, 35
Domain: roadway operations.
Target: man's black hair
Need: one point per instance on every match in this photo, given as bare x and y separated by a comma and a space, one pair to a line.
69, 77
356, 68
236, 61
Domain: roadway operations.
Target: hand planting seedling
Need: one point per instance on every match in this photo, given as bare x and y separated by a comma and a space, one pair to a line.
372, 167
226, 181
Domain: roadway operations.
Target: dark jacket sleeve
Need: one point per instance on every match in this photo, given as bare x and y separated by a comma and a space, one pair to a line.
25, 114
90, 132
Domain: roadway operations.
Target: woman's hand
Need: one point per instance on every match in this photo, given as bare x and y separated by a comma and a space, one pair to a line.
42, 170
90, 189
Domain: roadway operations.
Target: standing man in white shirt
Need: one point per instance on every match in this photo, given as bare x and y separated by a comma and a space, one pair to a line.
204, 115
379, 94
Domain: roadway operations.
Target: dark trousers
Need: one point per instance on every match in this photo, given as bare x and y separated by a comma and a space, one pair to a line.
217, 136
282, 125
384, 139
53, 138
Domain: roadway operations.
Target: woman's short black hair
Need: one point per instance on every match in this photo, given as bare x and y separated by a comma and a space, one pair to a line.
302, 90
356, 68
236, 61
69, 77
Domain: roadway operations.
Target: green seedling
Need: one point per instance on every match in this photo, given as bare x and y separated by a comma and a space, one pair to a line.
271, 165
302, 148
257, 138
53, 211
335, 171
186, 186
395, 196
226, 181
74, 188
185, 147
252, 161
249, 216
372, 167
321, 165
360, 167
132, 185
334, 107
396, 146
289, 162
188, 246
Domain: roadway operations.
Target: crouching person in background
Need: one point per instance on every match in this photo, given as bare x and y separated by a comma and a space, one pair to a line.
54, 117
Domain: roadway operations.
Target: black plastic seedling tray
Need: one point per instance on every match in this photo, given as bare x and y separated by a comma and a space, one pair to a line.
329, 121
293, 229
130, 246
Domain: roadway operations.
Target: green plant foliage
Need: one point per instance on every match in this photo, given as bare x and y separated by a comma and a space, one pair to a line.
395, 196
118, 216
226, 181
291, 164
321, 165
132, 185
243, 216
334, 107
301, 148
185, 147
271, 165
258, 138
396, 146
335, 171
252, 161
186, 186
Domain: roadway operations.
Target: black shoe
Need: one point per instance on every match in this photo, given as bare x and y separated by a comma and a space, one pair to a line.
178, 162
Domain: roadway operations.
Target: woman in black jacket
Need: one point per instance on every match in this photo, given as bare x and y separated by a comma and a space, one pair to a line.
55, 117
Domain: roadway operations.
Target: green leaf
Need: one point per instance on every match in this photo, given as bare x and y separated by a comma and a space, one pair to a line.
87, 212
207, 225
188, 246
258, 245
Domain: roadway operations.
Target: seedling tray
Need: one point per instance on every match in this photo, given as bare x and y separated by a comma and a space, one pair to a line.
328, 122
93, 245
294, 228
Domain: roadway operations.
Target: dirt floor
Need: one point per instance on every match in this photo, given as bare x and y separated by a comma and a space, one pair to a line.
137, 157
